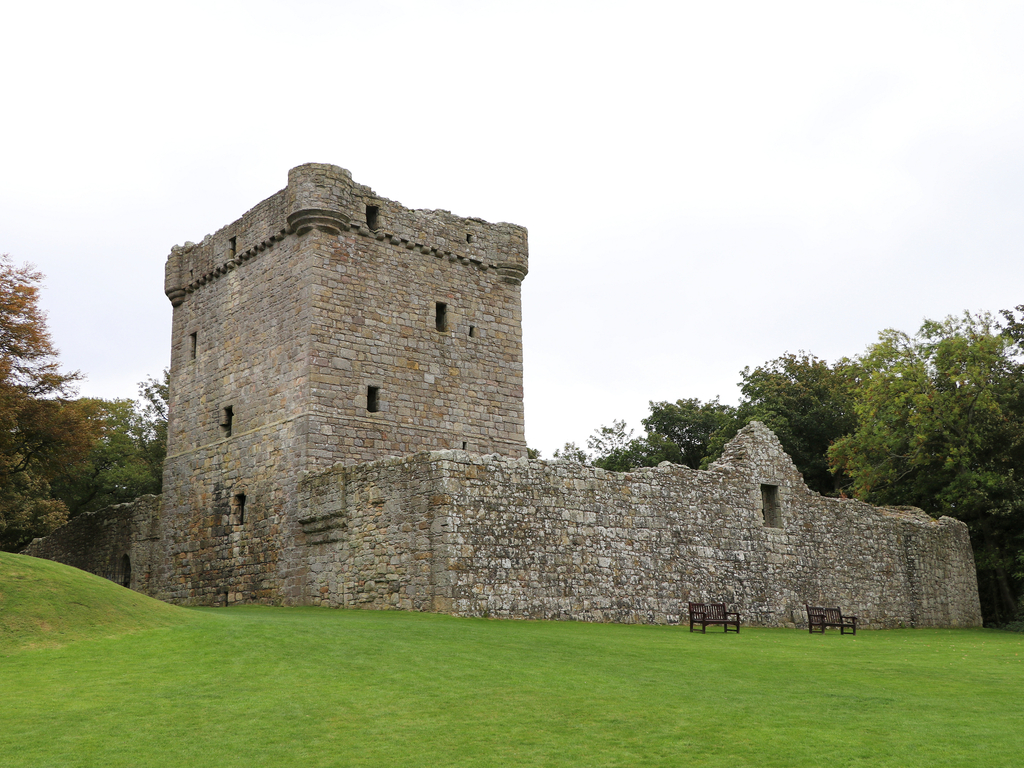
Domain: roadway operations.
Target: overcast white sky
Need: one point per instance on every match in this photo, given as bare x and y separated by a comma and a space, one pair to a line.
706, 185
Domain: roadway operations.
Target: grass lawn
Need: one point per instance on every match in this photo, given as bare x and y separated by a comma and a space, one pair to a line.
254, 686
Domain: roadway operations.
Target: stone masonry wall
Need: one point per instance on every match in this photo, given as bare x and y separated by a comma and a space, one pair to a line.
240, 341
455, 388
372, 531
533, 539
508, 537
99, 541
283, 321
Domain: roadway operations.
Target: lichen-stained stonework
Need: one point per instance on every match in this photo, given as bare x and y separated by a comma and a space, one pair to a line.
494, 536
346, 429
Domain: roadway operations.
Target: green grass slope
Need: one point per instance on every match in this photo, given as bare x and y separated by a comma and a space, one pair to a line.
46, 604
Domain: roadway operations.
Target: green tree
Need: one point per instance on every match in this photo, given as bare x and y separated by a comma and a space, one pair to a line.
614, 447
807, 403
941, 426
43, 431
682, 432
804, 400
678, 432
127, 459
571, 452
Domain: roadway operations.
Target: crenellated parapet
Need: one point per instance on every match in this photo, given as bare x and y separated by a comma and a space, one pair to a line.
325, 198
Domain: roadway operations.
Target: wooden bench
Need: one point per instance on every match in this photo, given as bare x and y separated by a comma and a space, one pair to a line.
818, 618
712, 613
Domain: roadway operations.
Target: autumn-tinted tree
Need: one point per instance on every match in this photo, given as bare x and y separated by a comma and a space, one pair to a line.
941, 426
42, 430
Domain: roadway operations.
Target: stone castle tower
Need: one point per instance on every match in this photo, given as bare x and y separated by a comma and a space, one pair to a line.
326, 325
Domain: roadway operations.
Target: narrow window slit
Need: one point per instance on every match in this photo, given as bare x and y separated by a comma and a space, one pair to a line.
238, 509
472, 331
371, 217
227, 417
372, 399
441, 316
232, 247
192, 346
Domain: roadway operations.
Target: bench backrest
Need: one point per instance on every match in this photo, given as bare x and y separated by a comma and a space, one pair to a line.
818, 614
711, 611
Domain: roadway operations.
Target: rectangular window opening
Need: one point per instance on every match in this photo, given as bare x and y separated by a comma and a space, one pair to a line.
372, 399
238, 509
192, 346
770, 507
472, 331
232, 247
441, 317
371, 217
227, 416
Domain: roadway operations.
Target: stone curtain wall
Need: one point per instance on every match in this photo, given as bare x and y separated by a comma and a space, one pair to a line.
98, 541
508, 537
533, 539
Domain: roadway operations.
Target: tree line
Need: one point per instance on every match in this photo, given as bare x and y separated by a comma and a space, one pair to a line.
61, 455
933, 420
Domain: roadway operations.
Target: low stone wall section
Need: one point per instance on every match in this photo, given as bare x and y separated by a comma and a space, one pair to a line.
492, 536
99, 542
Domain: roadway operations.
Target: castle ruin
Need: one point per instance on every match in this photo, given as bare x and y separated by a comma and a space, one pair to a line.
346, 429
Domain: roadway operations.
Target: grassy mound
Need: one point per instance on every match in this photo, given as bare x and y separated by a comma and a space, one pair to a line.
45, 604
